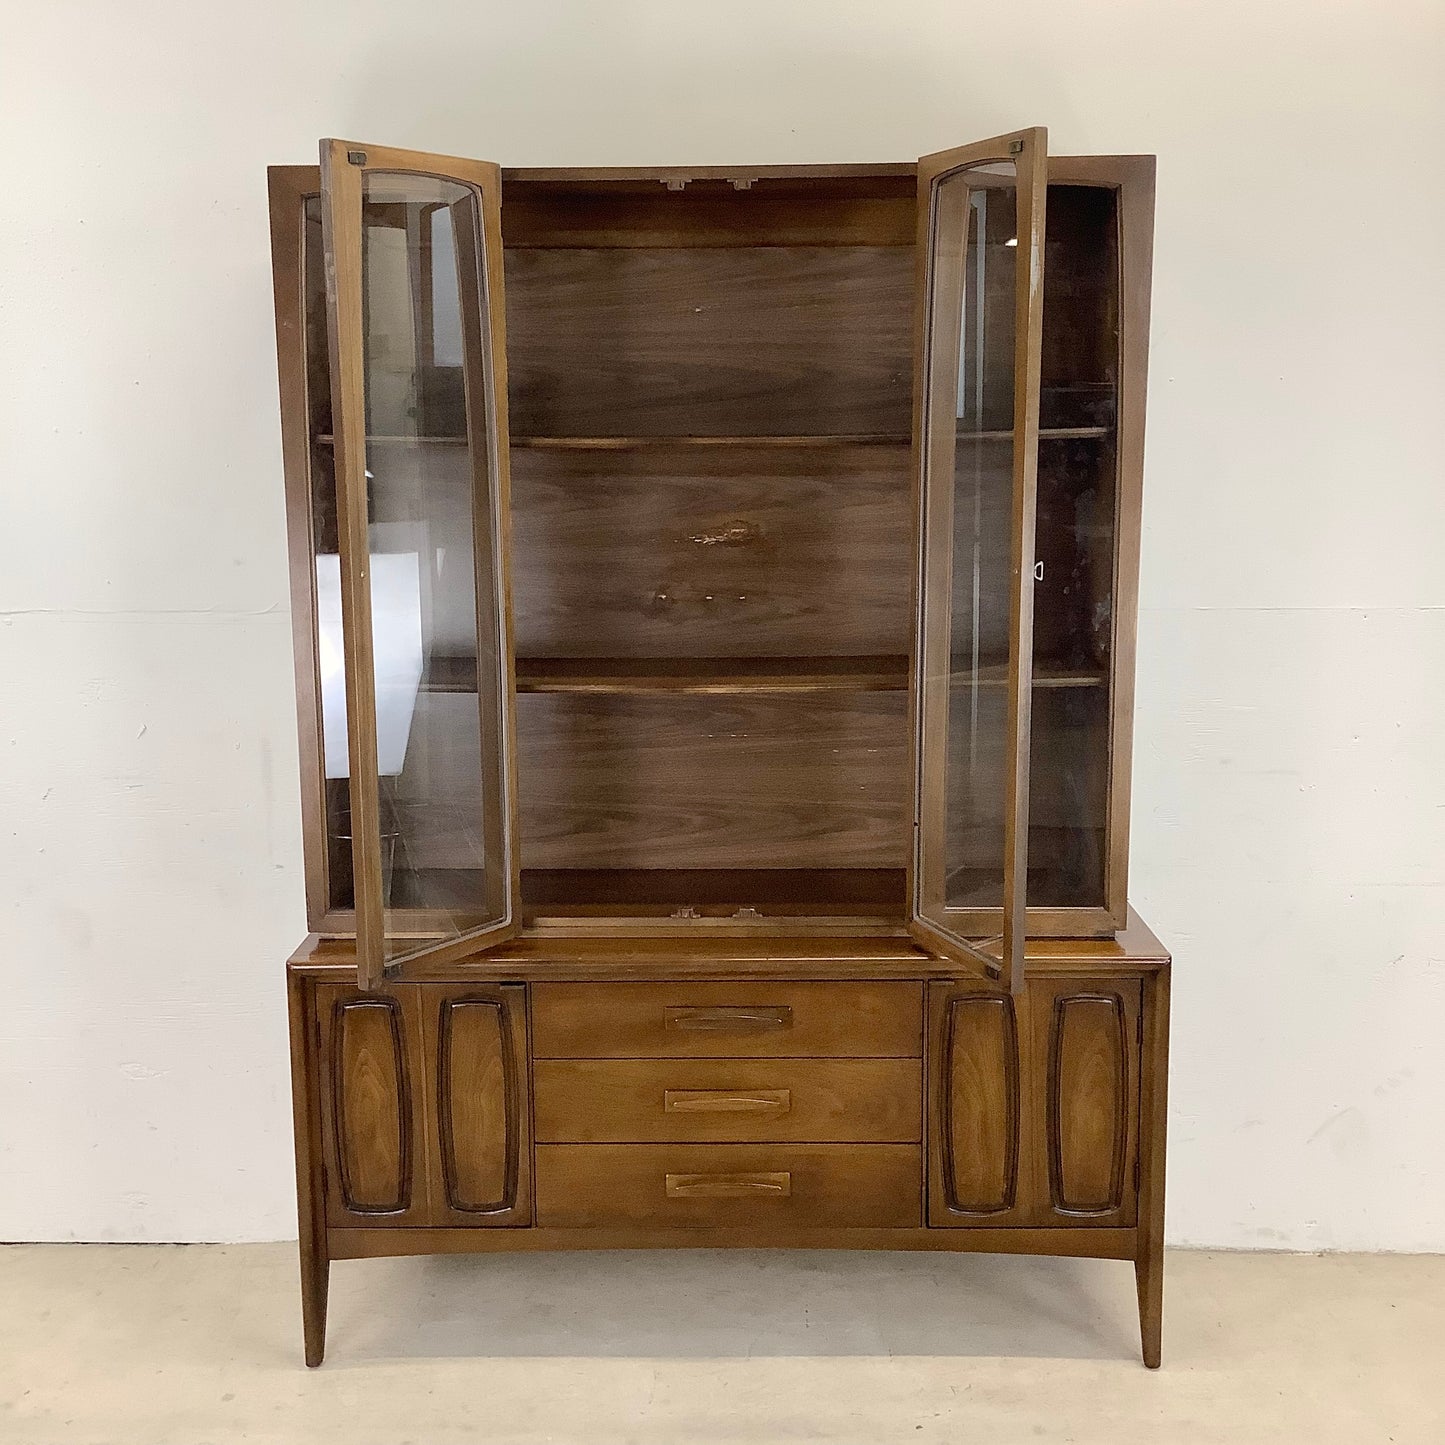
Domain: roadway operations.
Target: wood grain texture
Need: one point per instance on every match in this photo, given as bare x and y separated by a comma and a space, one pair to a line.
639, 1021
1065, 1243
745, 208
476, 1048
687, 340
306, 1107
791, 551
616, 1101
982, 1082
683, 781
1153, 1128
371, 1066
585, 1185
1090, 1099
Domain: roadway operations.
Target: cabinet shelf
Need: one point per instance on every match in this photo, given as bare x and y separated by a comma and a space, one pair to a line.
639, 443
703, 675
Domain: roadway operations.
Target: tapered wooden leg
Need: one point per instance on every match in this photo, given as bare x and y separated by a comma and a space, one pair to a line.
310, 1181
1153, 1122
315, 1278
1149, 1278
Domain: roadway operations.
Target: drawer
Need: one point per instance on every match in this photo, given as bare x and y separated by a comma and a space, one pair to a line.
714, 1186
605, 1101
753, 1019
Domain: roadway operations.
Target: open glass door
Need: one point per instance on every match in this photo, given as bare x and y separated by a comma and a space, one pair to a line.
415, 312
976, 420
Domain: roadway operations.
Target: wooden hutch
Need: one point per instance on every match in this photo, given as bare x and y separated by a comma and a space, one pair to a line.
714, 598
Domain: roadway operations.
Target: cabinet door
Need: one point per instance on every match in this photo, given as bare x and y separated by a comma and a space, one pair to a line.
976, 418
416, 333
1086, 1114
371, 1088
476, 1050
980, 1106
1033, 1103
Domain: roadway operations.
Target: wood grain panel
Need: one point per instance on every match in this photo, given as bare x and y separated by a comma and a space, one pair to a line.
754, 781
753, 1019
741, 210
1091, 1098
606, 1101
715, 1185
982, 1137
478, 1106
371, 1106
709, 340
981, 1105
477, 1058
712, 551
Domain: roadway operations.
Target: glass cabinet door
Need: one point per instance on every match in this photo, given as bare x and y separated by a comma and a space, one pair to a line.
976, 420
416, 334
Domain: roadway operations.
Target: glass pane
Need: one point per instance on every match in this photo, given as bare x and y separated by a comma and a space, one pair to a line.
980, 420
1076, 517
436, 626
331, 679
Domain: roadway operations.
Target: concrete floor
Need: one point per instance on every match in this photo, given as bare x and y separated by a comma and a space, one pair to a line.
194, 1345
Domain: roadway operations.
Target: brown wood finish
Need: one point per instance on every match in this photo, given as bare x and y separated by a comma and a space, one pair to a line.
713, 1022
311, 1221
372, 1068
481, 306
692, 1186
289, 188
980, 1069
769, 1019
742, 340
942, 250
1086, 1038
617, 1101
480, 1125
1117, 1244
792, 780
1153, 1129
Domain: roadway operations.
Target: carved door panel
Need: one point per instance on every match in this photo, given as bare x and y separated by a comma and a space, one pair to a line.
479, 1120
1086, 1110
980, 1113
371, 1087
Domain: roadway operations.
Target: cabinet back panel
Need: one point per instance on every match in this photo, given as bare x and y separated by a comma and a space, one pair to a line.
677, 551
713, 781
709, 340
875, 210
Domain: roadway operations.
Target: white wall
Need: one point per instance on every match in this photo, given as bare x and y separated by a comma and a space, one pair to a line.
1290, 803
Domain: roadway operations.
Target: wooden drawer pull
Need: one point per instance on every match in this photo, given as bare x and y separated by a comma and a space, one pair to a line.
726, 1020
724, 1101
729, 1186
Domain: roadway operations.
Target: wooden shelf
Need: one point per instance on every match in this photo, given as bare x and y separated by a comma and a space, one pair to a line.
732, 675
638, 443
712, 675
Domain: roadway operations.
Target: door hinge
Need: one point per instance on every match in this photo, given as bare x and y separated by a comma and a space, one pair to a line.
1138, 1175
1015, 147
356, 158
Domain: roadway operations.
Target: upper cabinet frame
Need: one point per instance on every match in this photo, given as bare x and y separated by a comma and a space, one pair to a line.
947, 246
353, 176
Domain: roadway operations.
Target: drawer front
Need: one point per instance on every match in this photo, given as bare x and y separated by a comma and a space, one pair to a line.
605, 1101
753, 1019
712, 1186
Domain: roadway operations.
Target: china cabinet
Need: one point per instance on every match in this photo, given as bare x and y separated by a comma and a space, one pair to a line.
714, 607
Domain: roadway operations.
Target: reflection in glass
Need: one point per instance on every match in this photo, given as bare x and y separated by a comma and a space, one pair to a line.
977, 763
436, 625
